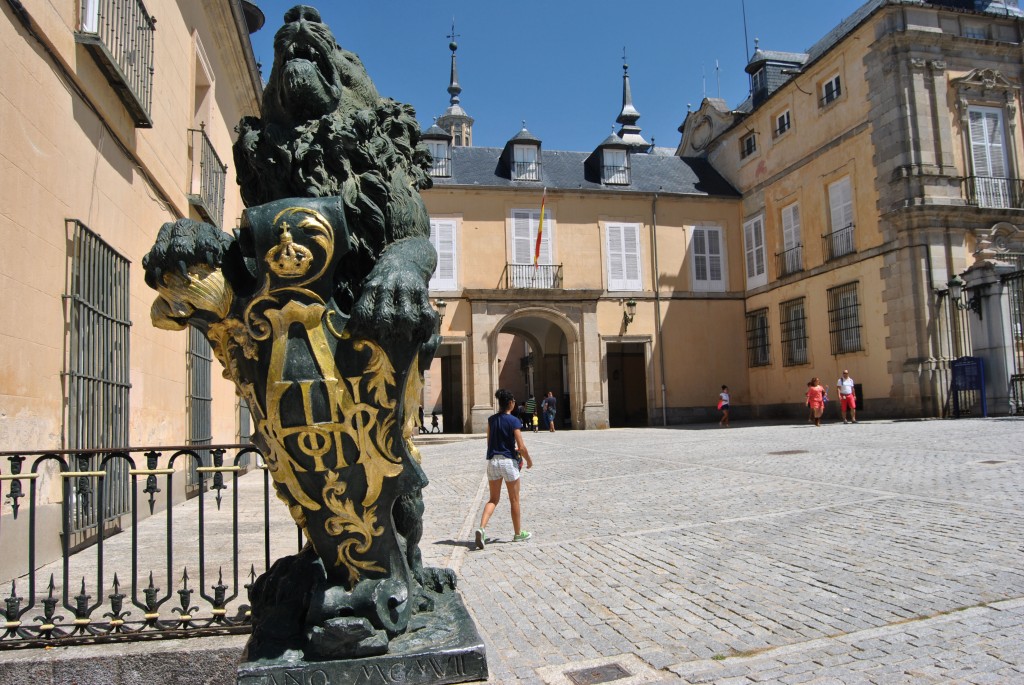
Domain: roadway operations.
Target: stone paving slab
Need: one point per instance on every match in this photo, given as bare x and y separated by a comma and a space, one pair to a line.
886, 551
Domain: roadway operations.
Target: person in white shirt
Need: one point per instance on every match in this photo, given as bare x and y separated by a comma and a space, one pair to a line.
847, 399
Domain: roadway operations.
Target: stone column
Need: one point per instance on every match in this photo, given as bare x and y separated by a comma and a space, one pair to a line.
992, 332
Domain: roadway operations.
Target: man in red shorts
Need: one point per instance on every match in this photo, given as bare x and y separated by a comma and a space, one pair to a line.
847, 399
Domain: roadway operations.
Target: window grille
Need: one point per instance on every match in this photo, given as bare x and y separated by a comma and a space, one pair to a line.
748, 145
97, 354
209, 176
200, 400
782, 123
757, 338
844, 319
831, 90
794, 332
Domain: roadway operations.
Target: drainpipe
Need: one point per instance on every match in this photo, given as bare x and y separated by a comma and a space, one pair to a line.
657, 306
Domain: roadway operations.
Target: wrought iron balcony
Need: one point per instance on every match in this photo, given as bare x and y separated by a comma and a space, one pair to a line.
526, 171
616, 174
441, 166
531, 276
208, 175
119, 34
994, 192
789, 261
838, 243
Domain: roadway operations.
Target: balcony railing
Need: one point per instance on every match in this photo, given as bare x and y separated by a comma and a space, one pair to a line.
526, 171
151, 580
994, 192
616, 174
789, 261
838, 243
119, 34
530, 276
441, 166
209, 175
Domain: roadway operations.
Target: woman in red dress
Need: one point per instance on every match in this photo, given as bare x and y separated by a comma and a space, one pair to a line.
816, 399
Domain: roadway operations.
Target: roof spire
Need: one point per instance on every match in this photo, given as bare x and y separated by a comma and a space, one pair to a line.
630, 132
453, 86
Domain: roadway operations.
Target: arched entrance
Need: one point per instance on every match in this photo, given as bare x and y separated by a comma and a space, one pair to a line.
532, 353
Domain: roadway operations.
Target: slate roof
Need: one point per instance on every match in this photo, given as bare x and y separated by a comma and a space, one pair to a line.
563, 170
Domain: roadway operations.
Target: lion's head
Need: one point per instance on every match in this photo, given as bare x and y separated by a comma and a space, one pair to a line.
312, 75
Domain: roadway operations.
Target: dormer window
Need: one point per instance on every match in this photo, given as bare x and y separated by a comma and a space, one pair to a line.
748, 145
759, 81
831, 90
439, 142
615, 169
525, 166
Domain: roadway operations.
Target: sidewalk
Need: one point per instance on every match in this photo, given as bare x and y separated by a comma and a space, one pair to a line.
882, 552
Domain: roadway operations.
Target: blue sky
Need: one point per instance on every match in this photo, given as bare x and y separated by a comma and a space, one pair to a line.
558, 64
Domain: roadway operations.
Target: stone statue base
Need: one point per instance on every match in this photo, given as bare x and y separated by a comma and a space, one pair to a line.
448, 649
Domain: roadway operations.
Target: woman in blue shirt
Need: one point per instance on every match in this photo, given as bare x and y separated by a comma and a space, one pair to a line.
505, 451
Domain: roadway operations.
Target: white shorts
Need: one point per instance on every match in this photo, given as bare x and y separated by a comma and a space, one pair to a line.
502, 468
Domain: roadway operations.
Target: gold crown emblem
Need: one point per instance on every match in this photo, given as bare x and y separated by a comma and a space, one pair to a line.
288, 259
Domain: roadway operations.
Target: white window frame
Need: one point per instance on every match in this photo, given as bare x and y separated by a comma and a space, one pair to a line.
526, 155
759, 80
792, 244
615, 166
992, 187
523, 225
705, 260
754, 252
444, 236
747, 150
831, 90
440, 154
783, 118
840, 207
623, 267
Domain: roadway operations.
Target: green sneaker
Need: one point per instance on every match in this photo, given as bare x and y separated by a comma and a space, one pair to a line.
480, 538
523, 536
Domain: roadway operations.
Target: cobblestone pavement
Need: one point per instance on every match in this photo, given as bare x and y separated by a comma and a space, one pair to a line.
881, 552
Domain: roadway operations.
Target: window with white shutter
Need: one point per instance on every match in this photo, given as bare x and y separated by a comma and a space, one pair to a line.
707, 252
753, 243
792, 248
443, 238
988, 158
525, 224
840, 204
623, 242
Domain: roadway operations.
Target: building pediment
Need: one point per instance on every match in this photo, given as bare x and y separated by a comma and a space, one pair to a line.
985, 81
1000, 239
703, 126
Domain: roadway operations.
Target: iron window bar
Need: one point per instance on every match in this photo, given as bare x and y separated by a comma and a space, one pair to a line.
616, 174
794, 332
209, 176
758, 351
789, 261
119, 34
441, 166
838, 243
831, 95
526, 171
163, 597
844, 319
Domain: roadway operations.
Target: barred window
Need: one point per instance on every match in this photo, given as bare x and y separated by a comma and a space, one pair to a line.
757, 338
794, 332
844, 319
200, 399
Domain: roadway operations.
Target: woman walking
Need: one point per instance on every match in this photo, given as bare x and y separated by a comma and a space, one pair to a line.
723, 406
816, 399
505, 453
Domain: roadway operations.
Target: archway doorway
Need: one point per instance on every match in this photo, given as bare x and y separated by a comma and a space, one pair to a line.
533, 356
444, 391
627, 385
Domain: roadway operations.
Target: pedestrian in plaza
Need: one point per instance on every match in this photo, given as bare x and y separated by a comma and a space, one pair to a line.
550, 407
506, 452
531, 411
723, 406
847, 398
434, 426
810, 412
815, 400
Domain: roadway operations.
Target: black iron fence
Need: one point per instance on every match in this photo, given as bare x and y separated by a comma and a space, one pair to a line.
789, 261
533, 276
209, 176
441, 166
179, 570
526, 171
994, 192
838, 243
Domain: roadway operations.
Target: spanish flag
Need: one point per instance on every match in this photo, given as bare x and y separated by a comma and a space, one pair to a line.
540, 229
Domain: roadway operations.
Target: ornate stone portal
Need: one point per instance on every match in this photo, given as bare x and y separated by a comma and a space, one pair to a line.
318, 311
